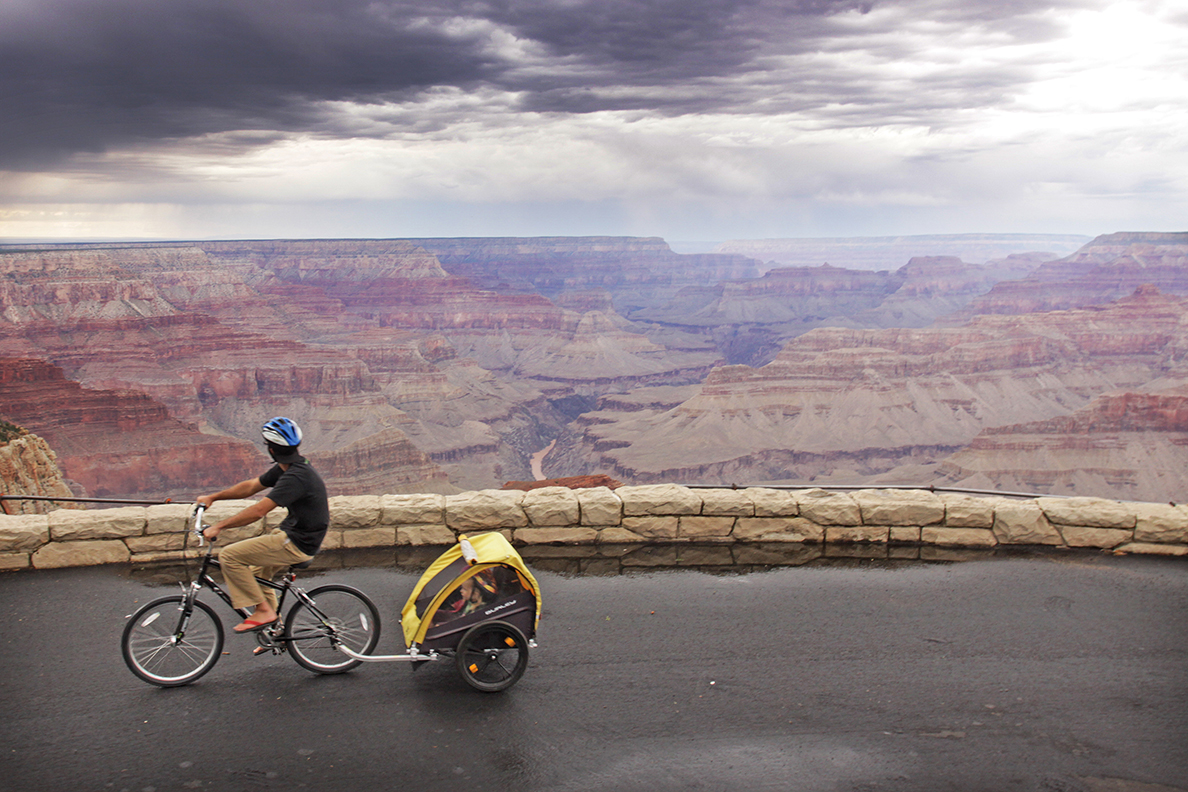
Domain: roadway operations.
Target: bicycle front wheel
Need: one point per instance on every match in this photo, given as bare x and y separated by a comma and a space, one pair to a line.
340, 614
165, 646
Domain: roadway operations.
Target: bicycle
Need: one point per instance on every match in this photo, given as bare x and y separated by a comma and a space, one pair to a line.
174, 640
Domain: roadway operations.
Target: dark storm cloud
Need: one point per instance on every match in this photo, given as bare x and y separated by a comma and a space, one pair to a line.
92, 75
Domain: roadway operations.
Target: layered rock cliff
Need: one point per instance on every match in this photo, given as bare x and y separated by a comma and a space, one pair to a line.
435, 364
29, 467
1108, 268
119, 443
848, 405
1131, 445
751, 319
356, 340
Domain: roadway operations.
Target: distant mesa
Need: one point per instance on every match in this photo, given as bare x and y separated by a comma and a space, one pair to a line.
891, 252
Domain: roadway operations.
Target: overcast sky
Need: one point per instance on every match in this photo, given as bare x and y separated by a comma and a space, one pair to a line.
687, 119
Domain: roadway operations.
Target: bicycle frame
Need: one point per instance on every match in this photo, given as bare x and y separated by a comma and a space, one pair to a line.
204, 580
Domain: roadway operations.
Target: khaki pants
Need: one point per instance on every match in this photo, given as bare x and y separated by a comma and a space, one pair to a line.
262, 556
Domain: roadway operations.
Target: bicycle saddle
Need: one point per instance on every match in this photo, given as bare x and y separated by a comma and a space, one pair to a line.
302, 565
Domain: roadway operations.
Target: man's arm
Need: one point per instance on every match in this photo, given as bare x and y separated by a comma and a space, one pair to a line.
247, 516
243, 489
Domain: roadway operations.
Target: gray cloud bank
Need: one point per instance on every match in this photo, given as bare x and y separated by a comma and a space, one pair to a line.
696, 118
86, 76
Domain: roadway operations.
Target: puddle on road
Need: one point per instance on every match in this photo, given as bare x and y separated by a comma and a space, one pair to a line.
611, 560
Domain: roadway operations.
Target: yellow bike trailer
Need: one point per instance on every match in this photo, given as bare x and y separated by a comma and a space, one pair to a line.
477, 603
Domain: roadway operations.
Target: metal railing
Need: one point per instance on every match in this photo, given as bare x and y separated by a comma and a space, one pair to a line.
125, 501
856, 487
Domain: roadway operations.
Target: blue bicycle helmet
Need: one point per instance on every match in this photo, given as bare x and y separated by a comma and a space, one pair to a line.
281, 431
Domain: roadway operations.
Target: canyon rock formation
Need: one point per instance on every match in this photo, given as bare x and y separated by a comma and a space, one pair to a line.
434, 365
29, 467
848, 406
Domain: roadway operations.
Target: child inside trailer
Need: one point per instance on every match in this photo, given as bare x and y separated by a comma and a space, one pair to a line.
476, 591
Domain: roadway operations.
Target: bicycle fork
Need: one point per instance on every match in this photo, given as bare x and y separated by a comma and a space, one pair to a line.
189, 594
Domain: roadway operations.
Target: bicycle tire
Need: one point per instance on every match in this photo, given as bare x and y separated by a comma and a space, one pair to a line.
343, 612
492, 656
157, 650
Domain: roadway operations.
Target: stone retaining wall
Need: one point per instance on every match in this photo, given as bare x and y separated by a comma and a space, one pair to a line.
664, 513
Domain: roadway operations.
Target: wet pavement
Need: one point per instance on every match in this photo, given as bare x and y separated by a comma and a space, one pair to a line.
1053, 672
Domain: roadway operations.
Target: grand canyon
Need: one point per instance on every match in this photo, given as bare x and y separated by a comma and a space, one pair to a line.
1038, 364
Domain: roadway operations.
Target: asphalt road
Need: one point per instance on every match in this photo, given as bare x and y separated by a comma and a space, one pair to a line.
1062, 673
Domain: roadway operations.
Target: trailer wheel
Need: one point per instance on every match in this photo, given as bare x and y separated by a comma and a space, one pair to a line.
492, 656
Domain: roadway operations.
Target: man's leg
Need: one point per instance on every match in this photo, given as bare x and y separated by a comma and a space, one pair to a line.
263, 555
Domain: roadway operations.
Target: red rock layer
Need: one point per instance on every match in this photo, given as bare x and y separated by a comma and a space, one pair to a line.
572, 482
120, 443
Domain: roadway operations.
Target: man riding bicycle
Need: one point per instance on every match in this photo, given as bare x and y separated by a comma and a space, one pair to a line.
295, 485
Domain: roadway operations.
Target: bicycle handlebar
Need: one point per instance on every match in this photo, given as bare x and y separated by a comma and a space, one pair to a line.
196, 514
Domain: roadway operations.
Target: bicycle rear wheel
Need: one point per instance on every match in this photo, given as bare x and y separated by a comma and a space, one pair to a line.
165, 646
340, 614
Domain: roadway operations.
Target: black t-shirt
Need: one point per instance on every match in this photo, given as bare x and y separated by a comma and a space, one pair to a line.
301, 490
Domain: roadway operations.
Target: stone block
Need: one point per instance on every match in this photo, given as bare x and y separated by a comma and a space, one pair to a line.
777, 529
727, 503
551, 506
274, 518
943, 536
168, 518
843, 534
332, 541
1161, 522
1146, 548
773, 502
384, 536
903, 533
899, 507
414, 509
600, 506
570, 535
23, 533
82, 553
485, 510
692, 527
652, 527
155, 543
9, 561
903, 552
71, 525
667, 499
1090, 512
828, 508
1086, 536
617, 534
1023, 522
963, 511
355, 512
424, 535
